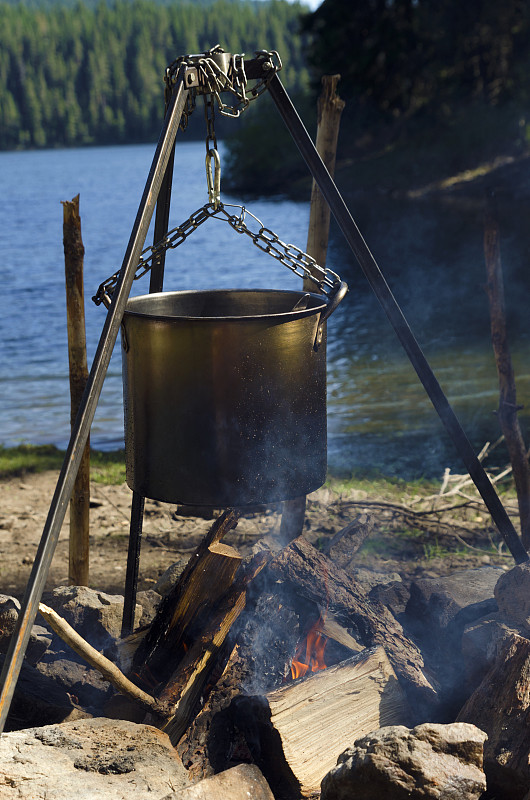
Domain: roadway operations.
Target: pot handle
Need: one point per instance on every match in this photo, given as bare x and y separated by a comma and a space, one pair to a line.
334, 299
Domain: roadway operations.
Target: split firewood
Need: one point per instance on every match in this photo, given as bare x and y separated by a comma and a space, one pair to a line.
184, 688
296, 733
313, 576
93, 657
206, 578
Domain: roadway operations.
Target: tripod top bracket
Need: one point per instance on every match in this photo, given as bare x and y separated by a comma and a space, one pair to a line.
215, 72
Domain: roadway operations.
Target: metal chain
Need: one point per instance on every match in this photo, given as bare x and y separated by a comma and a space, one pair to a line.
214, 80
289, 255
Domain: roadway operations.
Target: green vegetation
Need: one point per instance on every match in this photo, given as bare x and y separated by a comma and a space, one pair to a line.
80, 74
432, 88
105, 467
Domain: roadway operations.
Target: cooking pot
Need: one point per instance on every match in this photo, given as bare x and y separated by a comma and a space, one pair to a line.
225, 395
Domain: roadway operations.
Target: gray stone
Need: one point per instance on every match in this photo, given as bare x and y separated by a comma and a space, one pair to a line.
368, 579
95, 615
512, 593
440, 608
149, 600
40, 638
244, 782
107, 759
394, 595
168, 579
438, 762
39, 700
86, 686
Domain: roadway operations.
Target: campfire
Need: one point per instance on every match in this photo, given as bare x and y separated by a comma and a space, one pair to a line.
281, 661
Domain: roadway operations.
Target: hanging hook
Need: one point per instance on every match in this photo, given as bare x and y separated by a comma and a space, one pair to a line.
213, 178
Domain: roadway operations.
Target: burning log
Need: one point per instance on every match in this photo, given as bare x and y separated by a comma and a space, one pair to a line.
208, 575
296, 733
185, 686
314, 577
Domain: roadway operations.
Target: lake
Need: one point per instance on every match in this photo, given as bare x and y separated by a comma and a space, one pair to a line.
379, 416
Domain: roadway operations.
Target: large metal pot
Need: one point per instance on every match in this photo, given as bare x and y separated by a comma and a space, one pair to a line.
225, 396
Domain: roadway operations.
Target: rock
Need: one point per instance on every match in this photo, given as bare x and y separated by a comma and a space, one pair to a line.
440, 608
96, 616
501, 706
512, 594
168, 579
438, 762
149, 600
244, 782
107, 759
368, 579
39, 700
86, 686
394, 595
40, 638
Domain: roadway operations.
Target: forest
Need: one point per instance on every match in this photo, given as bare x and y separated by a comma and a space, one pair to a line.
83, 74
79, 72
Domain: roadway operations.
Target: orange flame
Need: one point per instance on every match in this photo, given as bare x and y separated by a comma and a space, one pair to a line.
313, 658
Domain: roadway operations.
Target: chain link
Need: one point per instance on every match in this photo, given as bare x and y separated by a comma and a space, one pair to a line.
266, 240
221, 72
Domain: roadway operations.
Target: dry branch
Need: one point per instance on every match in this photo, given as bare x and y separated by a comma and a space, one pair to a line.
93, 657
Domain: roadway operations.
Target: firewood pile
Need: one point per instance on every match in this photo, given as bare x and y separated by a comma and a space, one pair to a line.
281, 675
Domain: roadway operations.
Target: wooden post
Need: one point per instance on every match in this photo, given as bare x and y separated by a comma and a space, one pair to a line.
74, 252
330, 108
508, 408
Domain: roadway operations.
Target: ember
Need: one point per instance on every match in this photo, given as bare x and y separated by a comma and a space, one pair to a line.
313, 649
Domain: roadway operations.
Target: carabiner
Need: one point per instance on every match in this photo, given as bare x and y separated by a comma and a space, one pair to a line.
213, 178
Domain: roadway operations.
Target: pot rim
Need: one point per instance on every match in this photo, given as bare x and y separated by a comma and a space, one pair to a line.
292, 314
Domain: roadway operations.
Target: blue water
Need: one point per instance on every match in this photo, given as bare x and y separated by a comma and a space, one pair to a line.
378, 413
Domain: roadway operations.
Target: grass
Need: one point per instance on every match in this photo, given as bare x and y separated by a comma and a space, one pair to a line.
105, 467
374, 482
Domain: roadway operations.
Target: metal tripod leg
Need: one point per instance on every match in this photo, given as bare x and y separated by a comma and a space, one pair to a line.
395, 315
89, 401
133, 563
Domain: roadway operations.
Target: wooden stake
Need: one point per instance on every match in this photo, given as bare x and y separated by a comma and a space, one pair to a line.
74, 252
508, 408
330, 108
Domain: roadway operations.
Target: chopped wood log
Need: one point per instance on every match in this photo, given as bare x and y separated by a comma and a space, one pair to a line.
185, 686
313, 576
500, 706
296, 733
206, 578
239, 783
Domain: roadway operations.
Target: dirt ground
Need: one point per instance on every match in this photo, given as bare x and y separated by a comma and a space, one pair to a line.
426, 545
